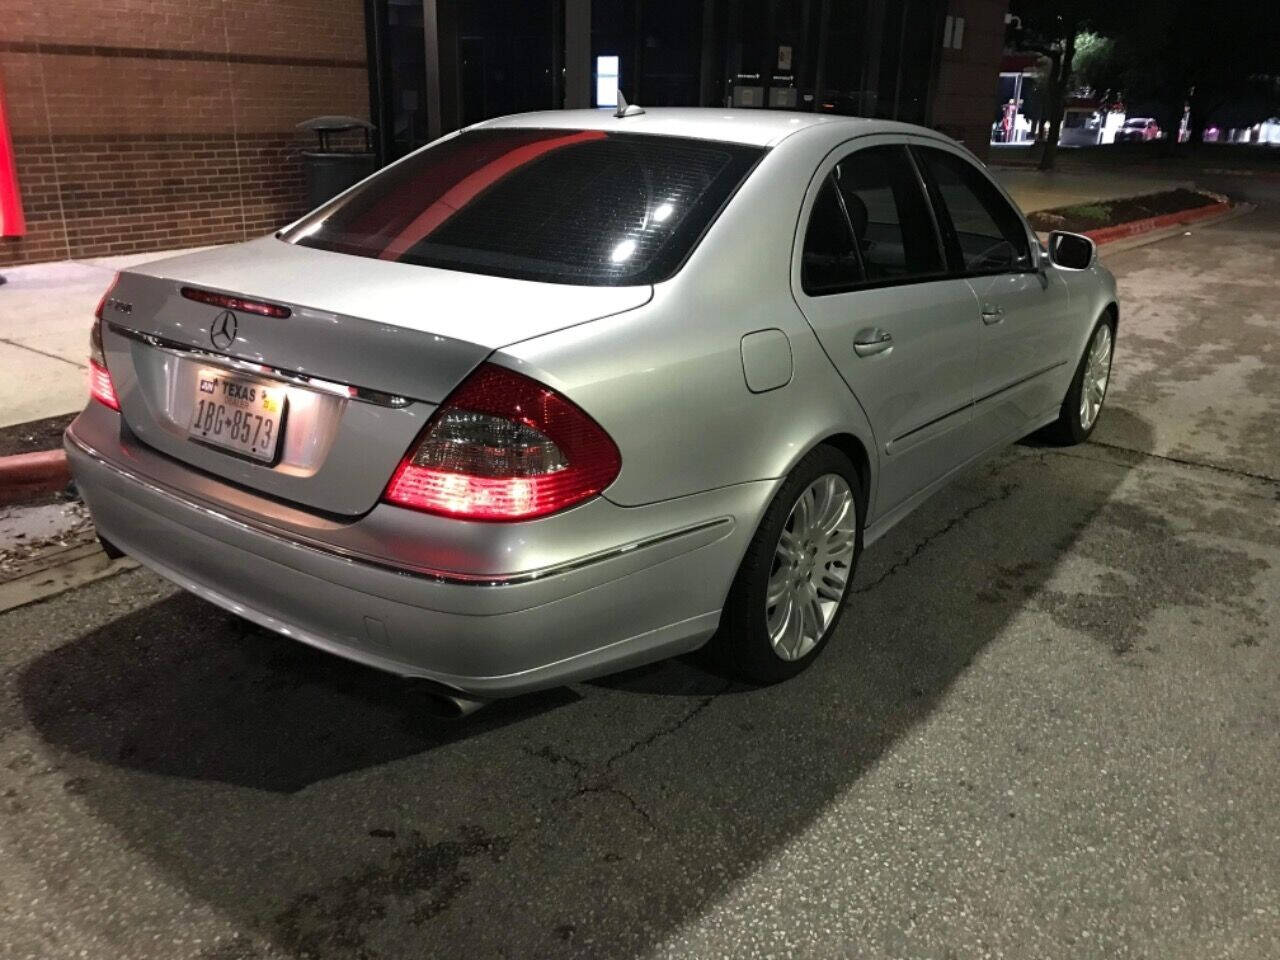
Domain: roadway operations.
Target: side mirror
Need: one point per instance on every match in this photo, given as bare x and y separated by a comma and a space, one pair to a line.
1072, 251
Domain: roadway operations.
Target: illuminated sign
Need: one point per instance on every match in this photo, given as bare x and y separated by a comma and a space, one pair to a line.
12, 223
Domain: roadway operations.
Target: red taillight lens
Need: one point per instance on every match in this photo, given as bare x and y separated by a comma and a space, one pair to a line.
504, 447
100, 386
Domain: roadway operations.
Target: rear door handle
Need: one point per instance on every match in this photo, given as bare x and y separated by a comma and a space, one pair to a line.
872, 340
992, 314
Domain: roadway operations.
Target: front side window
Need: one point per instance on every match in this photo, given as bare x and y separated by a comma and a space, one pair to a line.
584, 207
987, 229
889, 214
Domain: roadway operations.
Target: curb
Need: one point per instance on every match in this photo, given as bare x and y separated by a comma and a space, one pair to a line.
27, 475
1135, 227
1226, 172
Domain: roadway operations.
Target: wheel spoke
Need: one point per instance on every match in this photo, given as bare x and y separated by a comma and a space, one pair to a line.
839, 545
816, 620
777, 621
779, 585
832, 505
793, 632
831, 586
789, 546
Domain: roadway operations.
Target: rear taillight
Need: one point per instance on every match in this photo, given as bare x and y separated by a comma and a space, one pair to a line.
504, 447
100, 386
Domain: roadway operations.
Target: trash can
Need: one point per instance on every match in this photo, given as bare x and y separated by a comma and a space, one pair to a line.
329, 171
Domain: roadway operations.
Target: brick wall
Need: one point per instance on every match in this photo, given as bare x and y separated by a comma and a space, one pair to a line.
965, 98
151, 124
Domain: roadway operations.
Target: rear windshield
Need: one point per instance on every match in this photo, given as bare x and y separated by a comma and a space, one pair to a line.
565, 206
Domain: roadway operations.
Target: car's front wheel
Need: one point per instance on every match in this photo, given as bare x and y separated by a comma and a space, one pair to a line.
791, 587
1088, 390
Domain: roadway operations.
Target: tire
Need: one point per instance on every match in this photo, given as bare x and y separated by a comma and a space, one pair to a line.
744, 646
1070, 428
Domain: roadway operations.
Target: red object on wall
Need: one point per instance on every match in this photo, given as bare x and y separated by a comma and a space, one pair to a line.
12, 223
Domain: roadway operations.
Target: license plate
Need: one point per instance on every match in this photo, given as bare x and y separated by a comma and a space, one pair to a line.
239, 415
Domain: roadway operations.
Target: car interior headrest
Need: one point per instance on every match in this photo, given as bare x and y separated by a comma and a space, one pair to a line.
857, 215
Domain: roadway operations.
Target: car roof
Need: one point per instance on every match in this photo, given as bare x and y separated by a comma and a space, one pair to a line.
762, 128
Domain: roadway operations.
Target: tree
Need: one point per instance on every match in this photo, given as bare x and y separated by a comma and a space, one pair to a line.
1098, 64
1051, 28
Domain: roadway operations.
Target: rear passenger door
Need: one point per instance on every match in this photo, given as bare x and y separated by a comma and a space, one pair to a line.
1025, 333
871, 276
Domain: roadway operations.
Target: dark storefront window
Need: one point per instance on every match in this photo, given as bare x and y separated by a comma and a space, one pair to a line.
401, 82
854, 57
505, 53
658, 46
906, 60
842, 81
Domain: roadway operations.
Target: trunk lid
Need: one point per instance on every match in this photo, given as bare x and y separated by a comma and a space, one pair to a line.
368, 351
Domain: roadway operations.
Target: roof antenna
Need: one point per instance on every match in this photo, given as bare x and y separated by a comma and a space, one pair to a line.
626, 109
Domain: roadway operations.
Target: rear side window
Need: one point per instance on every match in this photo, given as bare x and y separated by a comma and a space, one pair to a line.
891, 221
987, 230
829, 261
566, 206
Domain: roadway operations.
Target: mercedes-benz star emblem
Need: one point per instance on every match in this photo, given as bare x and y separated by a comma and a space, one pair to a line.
222, 332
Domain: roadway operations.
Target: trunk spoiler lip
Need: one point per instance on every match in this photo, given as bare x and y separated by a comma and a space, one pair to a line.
222, 270
362, 394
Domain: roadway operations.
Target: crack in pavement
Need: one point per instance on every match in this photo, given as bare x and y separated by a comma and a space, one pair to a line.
1006, 491
555, 757
670, 729
600, 782
605, 788
1231, 471
43, 353
598, 785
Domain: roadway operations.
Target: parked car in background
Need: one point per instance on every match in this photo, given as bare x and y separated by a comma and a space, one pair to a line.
567, 392
1081, 127
1138, 128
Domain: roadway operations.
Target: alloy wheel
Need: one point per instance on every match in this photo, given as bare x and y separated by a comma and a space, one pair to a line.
811, 566
1097, 371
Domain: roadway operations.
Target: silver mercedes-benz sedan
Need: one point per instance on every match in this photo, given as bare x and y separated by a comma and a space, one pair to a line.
567, 392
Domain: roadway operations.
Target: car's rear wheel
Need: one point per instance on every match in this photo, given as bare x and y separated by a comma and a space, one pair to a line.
1083, 403
792, 585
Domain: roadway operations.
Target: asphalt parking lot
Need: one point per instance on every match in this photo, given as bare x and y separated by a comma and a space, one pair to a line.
1049, 727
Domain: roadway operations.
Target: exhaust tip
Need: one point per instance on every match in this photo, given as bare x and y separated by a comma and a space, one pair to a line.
110, 549
445, 704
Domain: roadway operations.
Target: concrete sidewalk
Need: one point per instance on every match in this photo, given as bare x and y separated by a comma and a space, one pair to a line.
45, 313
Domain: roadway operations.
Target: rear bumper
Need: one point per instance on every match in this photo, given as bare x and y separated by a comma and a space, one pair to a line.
579, 602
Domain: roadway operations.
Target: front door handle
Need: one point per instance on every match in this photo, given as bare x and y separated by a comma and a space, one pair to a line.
872, 340
992, 315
